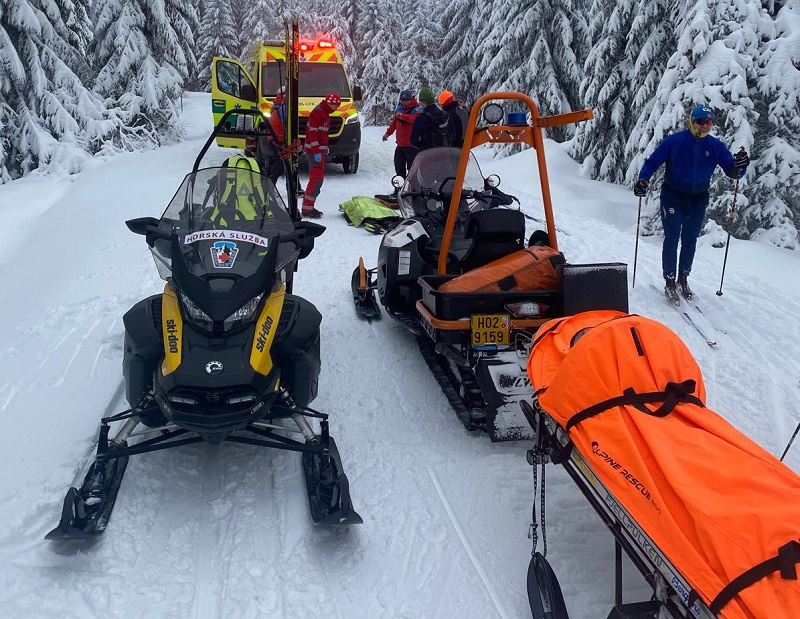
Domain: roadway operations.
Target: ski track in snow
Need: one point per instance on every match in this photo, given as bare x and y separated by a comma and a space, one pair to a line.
224, 531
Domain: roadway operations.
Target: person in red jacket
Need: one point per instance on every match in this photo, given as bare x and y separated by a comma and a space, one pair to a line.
316, 148
403, 119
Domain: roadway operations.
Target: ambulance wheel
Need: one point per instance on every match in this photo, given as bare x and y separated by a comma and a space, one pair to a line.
351, 164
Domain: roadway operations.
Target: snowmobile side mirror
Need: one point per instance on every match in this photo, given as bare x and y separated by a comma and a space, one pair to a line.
142, 225
306, 232
148, 227
491, 181
397, 181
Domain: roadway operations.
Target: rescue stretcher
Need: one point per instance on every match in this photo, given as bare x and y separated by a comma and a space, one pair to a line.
709, 518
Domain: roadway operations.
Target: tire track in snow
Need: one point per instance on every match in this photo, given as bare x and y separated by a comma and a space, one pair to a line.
205, 599
463, 539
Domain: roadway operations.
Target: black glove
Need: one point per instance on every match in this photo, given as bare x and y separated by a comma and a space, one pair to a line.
741, 160
640, 188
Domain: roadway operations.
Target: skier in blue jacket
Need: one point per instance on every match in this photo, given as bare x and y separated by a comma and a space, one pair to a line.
691, 156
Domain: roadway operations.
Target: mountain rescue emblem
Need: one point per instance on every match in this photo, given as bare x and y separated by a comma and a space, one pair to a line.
223, 254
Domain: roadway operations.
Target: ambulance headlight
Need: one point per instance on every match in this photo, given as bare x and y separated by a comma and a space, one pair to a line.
352, 119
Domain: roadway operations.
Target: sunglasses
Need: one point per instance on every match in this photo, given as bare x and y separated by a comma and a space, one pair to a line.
704, 121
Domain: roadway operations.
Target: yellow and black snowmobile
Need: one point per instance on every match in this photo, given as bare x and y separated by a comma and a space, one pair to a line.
226, 352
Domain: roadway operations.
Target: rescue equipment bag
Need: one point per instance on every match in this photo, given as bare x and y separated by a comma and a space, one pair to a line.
532, 268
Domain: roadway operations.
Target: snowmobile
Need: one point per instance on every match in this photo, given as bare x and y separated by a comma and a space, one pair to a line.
456, 222
226, 352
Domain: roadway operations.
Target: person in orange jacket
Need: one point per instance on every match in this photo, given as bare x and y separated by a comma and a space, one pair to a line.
402, 121
316, 149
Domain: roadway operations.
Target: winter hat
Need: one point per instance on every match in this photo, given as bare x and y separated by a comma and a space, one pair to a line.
460, 97
445, 98
701, 112
333, 100
406, 95
425, 95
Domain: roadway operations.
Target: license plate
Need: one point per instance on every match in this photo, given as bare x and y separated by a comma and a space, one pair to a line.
490, 329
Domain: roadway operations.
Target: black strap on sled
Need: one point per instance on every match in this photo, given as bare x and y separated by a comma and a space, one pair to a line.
673, 394
785, 562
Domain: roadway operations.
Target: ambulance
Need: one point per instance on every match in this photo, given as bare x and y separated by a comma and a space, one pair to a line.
255, 83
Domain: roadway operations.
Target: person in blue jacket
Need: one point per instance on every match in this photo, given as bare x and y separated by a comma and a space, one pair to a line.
691, 156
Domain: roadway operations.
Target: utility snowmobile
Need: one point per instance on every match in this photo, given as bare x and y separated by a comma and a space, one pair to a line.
449, 271
226, 352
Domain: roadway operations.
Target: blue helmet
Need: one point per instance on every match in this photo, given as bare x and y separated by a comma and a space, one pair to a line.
406, 95
701, 112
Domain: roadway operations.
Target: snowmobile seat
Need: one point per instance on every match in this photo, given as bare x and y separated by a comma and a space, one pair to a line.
495, 233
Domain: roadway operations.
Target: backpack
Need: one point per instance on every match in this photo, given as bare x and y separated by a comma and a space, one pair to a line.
238, 190
438, 131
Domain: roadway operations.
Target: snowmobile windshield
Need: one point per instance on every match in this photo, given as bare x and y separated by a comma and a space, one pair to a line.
434, 172
225, 219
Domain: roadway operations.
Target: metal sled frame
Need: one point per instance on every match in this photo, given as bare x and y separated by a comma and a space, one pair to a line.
670, 588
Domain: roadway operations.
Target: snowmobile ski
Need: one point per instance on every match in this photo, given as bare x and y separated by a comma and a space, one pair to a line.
86, 510
362, 285
328, 487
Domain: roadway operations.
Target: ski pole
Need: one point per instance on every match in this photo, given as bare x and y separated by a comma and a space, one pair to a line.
728, 243
636, 251
791, 440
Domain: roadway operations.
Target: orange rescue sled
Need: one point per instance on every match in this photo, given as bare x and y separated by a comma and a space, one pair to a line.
620, 402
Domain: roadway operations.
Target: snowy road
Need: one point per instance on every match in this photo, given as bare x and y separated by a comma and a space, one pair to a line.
206, 532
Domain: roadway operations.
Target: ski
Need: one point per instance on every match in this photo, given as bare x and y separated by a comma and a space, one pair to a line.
686, 317
292, 42
700, 311
696, 327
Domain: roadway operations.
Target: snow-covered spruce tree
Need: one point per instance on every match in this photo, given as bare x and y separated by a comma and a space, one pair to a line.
418, 61
459, 44
380, 27
48, 118
773, 213
713, 65
218, 37
539, 61
184, 16
139, 66
631, 50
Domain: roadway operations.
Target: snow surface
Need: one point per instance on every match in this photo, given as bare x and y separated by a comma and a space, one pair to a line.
205, 531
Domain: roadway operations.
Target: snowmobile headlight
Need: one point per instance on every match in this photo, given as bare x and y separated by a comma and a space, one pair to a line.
527, 309
179, 399
352, 119
242, 398
194, 312
246, 312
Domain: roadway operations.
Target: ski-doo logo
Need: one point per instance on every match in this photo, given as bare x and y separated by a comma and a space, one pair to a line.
172, 338
261, 340
223, 254
214, 367
614, 464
